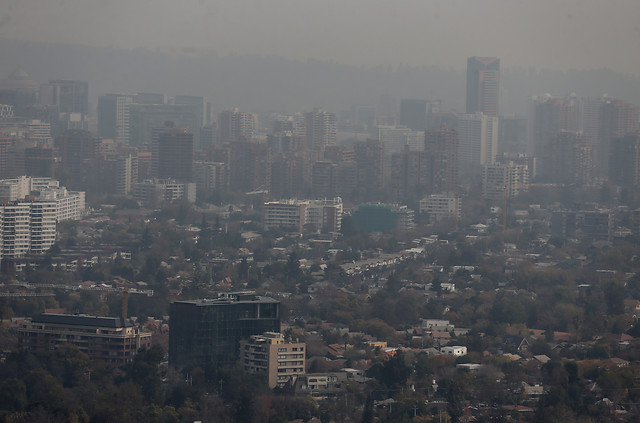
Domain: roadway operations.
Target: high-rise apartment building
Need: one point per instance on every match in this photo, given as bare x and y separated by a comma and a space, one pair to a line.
5, 145
321, 128
483, 85
625, 160
210, 330
211, 176
548, 116
234, 125
76, 148
330, 179
250, 166
26, 227
410, 174
413, 114
570, 158
291, 175
369, 156
506, 179
441, 148
478, 139
618, 118
281, 360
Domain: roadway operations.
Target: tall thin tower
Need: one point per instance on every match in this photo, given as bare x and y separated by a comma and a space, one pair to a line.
483, 85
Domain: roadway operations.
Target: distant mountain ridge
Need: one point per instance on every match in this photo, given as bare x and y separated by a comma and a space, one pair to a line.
273, 84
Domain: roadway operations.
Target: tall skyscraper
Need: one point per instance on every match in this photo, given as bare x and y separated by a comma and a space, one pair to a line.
321, 129
483, 85
413, 114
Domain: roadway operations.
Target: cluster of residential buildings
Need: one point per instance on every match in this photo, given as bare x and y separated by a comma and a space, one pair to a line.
29, 213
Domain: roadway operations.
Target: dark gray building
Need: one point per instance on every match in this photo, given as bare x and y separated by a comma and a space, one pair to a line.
209, 331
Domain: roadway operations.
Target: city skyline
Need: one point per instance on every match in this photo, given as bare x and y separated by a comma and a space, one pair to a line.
556, 35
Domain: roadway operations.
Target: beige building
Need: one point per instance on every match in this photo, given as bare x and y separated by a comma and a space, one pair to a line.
282, 361
109, 339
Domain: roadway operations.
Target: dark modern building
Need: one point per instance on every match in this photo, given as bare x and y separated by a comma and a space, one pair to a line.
77, 149
618, 119
413, 114
594, 225
625, 160
483, 85
109, 339
69, 96
40, 161
209, 331
173, 155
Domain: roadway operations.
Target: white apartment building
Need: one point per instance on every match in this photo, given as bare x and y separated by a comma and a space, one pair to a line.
504, 179
152, 192
326, 213
70, 205
27, 227
441, 206
477, 139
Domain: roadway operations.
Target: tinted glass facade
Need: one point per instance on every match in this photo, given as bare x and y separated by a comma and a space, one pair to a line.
209, 331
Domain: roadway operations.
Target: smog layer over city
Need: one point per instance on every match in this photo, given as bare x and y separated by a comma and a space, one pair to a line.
319, 212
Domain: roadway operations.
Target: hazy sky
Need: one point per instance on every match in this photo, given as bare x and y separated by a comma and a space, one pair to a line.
556, 34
